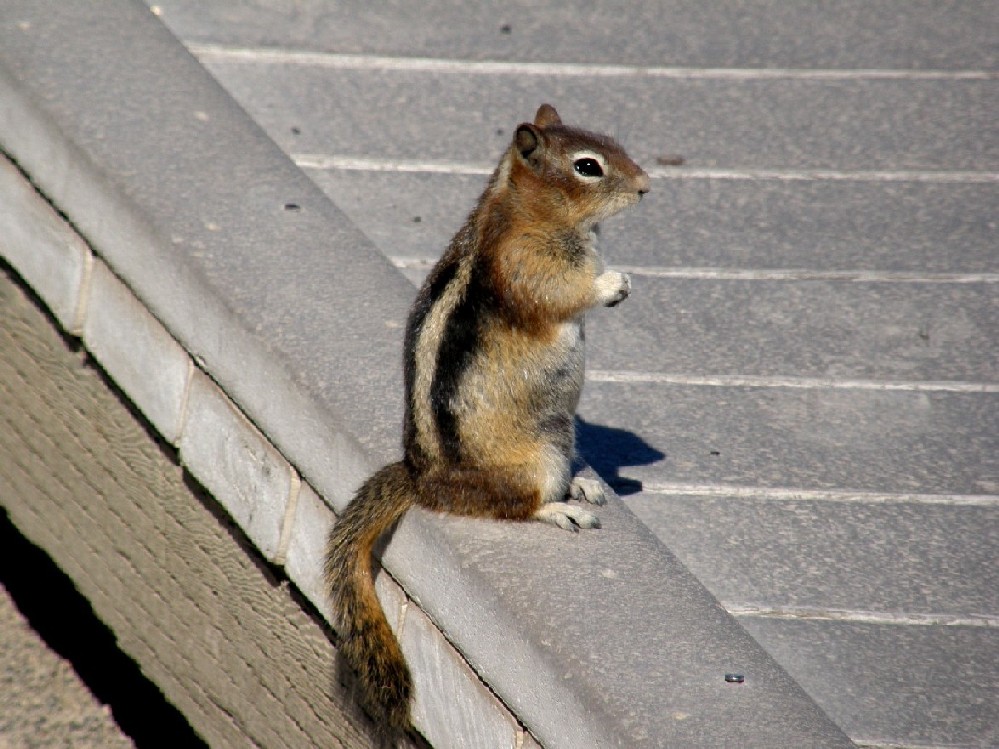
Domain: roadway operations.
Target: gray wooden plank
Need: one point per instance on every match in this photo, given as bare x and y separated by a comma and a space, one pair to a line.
776, 437
879, 331
894, 685
772, 124
921, 228
906, 558
851, 33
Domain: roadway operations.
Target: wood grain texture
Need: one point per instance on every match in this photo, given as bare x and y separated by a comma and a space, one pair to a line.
83, 478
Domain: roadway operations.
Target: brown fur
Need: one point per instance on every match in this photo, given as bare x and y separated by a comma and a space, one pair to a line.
494, 367
366, 640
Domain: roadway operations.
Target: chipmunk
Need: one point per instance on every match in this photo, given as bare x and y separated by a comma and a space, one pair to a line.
493, 373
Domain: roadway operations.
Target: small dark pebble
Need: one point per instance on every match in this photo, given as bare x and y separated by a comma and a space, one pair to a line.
506, 29
417, 219
292, 207
670, 159
735, 678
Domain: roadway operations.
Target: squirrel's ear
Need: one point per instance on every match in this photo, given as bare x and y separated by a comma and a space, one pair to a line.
527, 139
547, 116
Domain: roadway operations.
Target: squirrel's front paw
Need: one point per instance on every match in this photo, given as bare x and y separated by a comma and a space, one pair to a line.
612, 288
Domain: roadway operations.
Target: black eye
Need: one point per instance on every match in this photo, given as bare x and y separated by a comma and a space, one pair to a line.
588, 168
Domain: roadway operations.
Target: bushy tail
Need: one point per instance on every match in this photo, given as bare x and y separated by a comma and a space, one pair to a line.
366, 641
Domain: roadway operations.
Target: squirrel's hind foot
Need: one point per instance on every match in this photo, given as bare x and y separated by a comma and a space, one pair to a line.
587, 490
567, 517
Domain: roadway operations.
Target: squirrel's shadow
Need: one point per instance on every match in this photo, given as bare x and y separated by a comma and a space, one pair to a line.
607, 449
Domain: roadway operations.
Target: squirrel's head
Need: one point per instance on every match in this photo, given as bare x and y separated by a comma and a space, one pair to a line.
579, 177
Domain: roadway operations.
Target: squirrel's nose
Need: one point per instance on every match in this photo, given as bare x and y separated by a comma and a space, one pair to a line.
643, 183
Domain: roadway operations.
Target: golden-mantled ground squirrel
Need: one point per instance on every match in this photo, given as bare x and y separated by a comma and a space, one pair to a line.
493, 370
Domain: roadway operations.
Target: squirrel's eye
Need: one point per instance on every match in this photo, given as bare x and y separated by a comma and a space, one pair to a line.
588, 168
